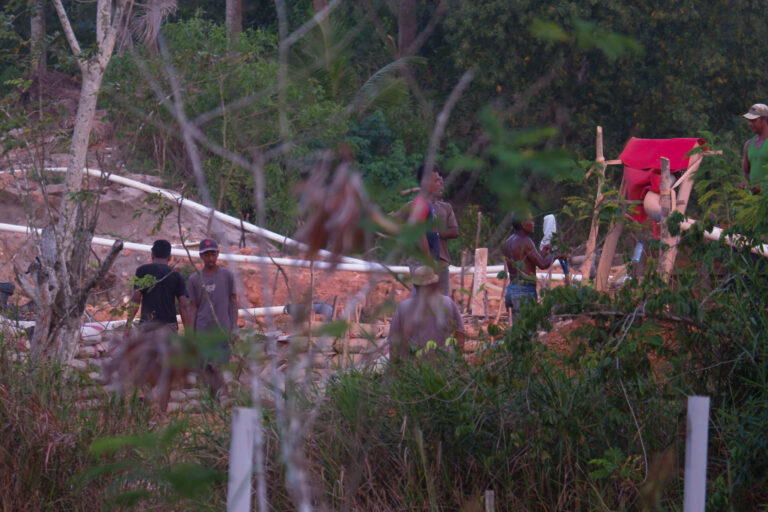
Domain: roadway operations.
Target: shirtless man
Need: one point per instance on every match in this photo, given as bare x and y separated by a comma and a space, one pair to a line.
522, 258
755, 155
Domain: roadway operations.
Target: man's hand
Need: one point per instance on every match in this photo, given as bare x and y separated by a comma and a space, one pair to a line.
546, 250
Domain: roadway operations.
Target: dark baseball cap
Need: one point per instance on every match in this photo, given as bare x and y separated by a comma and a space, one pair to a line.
208, 244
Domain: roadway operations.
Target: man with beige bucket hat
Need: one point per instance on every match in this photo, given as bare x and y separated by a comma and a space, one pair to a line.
426, 316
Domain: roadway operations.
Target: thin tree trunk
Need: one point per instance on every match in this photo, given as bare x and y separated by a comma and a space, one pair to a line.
406, 26
37, 35
234, 18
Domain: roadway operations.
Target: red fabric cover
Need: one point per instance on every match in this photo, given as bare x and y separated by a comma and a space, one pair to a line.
642, 166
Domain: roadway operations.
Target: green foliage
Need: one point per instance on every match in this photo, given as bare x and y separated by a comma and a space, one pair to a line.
232, 92
383, 160
130, 461
45, 435
515, 167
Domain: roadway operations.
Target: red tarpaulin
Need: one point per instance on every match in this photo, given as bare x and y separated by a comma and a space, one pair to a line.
642, 166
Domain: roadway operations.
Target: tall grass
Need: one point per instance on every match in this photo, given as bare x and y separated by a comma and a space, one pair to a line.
541, 433
597, 426
56, 455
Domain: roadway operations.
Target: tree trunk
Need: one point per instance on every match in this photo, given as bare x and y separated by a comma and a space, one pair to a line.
406, 25
60, 289
37, 35
234, 18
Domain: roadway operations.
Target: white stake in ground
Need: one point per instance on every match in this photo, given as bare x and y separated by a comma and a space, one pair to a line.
695, 494
241, 460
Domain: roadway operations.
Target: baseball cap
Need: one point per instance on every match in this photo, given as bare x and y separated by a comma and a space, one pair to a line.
757, 110
208, 244
424, 276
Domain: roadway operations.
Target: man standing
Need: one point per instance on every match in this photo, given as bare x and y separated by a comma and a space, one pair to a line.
755, 155
448, 229
426, 316
522, 258
213, 308
158, 297
423, 212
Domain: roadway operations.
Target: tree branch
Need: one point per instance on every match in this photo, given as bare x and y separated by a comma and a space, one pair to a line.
68, 32
316, 19
442, 121
114, 251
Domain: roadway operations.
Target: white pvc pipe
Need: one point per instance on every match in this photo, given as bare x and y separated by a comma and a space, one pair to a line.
188, 203
286, 262
273, 310
715, 233
695, 491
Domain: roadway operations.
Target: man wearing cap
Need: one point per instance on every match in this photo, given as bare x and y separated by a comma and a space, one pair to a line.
755, 155
156, 290
213, 305
426, 316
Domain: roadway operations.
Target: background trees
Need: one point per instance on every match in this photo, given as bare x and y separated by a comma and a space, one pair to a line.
546, 74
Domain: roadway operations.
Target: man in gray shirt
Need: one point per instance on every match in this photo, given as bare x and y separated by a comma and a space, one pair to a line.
213, 308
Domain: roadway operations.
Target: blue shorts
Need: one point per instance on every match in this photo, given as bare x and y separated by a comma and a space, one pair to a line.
517, 293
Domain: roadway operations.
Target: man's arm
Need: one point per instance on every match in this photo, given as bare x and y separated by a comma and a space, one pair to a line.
184, 312
395, 337
419, 213
233, 312
459, 333
542, 261
192, 314
745, 161
133, 307
451, 228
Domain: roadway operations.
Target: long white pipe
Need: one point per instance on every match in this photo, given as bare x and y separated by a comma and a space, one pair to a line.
188, 203
715, 233
175, 197
286, 262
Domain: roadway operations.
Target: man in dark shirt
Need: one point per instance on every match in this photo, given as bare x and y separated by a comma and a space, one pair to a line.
157, 293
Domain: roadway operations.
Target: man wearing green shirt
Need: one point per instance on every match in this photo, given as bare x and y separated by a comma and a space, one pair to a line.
755, 156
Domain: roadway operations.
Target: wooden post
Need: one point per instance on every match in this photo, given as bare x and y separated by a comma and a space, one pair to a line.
463, 272
241, 460
592, 240
695, 491
606, 257
478, 284
502, 305
479, 225
683, 195
609, 248
665, 201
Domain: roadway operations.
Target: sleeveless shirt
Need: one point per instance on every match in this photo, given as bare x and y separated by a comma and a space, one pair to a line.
758, 159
